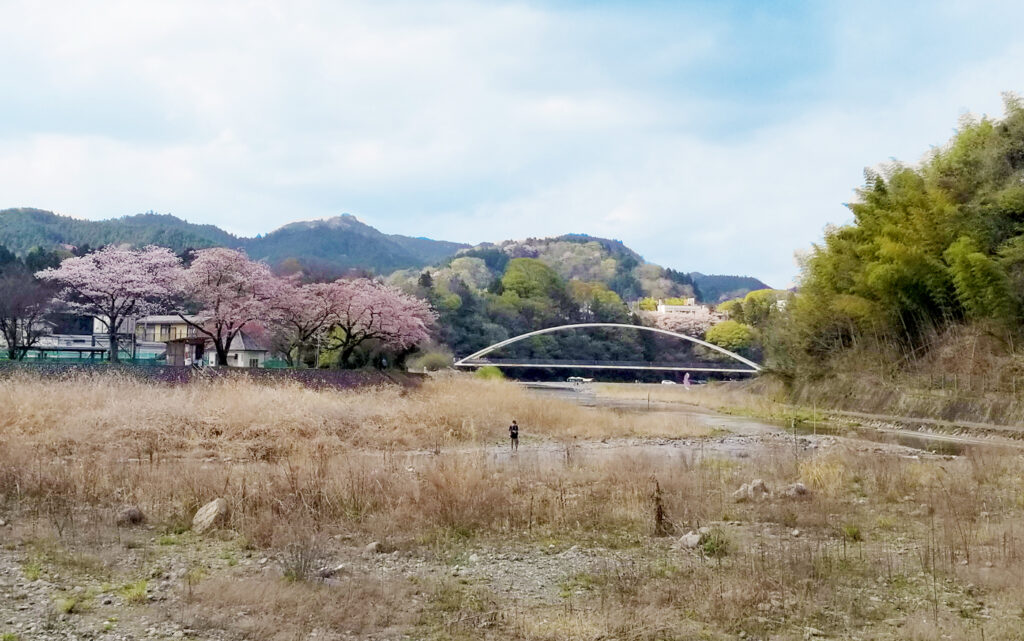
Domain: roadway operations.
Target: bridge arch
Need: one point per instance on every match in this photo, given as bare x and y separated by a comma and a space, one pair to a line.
464, 362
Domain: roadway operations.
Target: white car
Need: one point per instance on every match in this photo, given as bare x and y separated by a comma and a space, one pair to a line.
668, 382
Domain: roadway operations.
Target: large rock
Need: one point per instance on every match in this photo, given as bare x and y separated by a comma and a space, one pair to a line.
213, 514
756, 489
130, 515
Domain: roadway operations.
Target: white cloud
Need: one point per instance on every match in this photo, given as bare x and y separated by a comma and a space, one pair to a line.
469, 121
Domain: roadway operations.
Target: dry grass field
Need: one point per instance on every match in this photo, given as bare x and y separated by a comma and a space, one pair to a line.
571, 539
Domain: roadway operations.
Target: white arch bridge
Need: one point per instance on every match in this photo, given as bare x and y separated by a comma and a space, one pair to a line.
477, 359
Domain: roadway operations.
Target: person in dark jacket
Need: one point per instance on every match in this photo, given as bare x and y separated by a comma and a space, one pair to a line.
513, 433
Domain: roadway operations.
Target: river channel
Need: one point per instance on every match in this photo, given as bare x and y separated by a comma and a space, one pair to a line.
743, 426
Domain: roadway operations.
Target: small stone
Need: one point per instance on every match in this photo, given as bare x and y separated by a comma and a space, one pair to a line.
795, 490
743, 493
473, 558
213, 514
372, 548
756, 489
130, 515
795, 532
690, 539
264, 561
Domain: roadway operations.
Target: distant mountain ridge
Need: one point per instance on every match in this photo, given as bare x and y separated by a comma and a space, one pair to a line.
345, 242
716, 288
341, 243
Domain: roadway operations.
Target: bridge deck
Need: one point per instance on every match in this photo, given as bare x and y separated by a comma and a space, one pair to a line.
621, 365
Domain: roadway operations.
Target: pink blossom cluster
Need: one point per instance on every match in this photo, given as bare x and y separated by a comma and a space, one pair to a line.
357, 310
692, 324
114, 284
233, 292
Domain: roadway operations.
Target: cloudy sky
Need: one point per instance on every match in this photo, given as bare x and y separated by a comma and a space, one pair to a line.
716, 136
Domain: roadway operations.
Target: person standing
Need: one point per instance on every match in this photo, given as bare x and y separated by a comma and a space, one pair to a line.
513, 434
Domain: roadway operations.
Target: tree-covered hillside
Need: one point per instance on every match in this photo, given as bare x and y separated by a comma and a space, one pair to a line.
343, 243
715, 288
932, 248
495, 291
326, 246
23, 229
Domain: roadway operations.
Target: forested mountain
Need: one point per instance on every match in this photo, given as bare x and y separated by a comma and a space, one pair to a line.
335, 245
24, 229
331, 246
494, 291
715, 288
344, 242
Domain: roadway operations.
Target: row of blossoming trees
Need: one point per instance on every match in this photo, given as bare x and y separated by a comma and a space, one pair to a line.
223, 292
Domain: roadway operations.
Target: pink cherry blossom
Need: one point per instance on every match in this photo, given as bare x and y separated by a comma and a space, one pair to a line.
115, 284
306, 311
232, 291
367, 310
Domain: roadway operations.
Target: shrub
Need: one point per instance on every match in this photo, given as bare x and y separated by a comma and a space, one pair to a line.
134, 593
716, 544
731, 335
827, 475
300, 559
490, 373
431, 361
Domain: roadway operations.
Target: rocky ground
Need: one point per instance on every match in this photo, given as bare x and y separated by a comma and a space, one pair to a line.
90, 581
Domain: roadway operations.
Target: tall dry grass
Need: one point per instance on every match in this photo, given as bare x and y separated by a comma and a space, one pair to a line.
889, 546
242, 418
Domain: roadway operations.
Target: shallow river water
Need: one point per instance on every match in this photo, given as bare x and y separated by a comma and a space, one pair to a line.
752, 427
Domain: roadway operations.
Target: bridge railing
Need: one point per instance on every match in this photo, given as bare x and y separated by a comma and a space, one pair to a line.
593, 364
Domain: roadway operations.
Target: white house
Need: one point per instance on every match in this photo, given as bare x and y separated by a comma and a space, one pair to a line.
690, 307
195, 349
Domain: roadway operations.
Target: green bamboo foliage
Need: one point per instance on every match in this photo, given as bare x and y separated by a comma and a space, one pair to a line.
930, 246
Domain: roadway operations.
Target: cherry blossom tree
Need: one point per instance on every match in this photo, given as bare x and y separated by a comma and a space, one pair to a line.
231, 292
115, 284
694, 324
305, 312
366, 310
